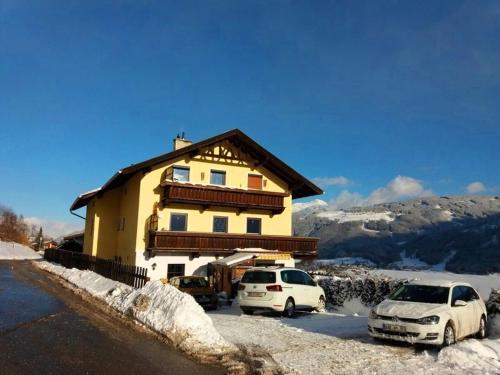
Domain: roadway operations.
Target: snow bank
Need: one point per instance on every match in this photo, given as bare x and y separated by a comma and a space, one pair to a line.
160, 307
15, 251
481, 357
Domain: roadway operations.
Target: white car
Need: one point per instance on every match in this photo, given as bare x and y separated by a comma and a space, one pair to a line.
279, 289
430, 312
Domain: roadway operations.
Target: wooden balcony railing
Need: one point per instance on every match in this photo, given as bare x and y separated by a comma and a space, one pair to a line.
166, 242
207, 196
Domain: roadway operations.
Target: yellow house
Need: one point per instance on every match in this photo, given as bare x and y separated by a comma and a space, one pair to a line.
177, 212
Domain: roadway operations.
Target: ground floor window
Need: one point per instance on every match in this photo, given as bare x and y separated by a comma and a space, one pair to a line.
175, 270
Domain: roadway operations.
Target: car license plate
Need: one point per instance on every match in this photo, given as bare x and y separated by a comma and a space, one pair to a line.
256, 294
394, 328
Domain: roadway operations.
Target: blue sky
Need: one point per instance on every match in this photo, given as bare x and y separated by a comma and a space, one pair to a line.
367, 91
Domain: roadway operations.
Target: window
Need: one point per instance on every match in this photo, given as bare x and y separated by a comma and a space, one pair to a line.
178, 222
180, 174
220, 224
255, 182
259, 277
217, 177
253, 225
175, 270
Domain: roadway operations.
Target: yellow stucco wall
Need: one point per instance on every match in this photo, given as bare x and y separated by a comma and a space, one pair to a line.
135, 199
111, 222
198, 221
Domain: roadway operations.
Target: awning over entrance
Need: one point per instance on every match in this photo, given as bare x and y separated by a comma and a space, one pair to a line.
243, 256
234, 259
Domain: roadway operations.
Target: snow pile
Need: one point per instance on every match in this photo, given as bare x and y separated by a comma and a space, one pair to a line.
345, 217
15, 251
163, 308
471, 356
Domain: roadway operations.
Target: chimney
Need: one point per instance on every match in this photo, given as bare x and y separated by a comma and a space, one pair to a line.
180, 142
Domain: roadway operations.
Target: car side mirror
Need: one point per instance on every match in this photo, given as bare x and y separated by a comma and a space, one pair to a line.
315, 283
459, 302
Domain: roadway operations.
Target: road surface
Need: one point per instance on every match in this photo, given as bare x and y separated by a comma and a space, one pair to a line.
45, 328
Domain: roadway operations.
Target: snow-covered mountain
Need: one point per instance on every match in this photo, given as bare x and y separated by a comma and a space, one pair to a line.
460, 234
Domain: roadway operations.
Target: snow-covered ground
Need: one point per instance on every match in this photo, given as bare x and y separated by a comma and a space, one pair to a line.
328, 343
160, 307
344, 216
312, 343
471, 356
15, 251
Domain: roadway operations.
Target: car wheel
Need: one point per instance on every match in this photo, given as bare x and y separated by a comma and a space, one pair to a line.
449, 335
321, 307
289, 310
247, 311
481, 334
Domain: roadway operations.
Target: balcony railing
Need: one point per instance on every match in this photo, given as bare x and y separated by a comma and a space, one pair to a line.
207, 196
166, 242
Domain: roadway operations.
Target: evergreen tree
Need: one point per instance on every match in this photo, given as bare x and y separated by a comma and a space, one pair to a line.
39, 240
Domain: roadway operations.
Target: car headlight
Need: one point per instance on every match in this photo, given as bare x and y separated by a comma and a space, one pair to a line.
373, 314
433, 319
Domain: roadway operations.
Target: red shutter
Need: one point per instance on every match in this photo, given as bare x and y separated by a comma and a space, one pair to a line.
254, 182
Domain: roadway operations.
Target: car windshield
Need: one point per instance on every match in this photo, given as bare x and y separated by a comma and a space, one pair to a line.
421, 293
193, 283
259, 277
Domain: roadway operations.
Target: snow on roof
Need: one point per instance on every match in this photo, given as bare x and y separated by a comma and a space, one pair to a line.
90, 192
254, 250
235, 258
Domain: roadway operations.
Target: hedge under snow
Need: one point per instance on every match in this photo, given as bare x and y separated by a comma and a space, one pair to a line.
163, 308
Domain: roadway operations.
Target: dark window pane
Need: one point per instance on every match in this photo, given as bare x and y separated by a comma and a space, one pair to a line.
259, 277
253, 225
175, 270
178, 222
220, 224
218, 178
422, 293
181, 174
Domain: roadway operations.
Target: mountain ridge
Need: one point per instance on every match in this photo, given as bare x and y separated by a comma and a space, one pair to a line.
461, 232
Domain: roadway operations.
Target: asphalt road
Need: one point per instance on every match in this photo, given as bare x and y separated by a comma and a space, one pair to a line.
47, 329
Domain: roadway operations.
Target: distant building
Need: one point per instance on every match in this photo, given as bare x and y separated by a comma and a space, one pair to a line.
177, 212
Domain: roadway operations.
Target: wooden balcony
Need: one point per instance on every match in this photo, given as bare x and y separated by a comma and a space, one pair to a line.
207, 196
168, 243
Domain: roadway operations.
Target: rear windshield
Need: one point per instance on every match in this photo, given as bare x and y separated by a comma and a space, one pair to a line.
259, 277
193, 283
421, 293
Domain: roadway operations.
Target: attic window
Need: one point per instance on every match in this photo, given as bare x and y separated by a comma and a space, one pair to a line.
217, 177
180, 174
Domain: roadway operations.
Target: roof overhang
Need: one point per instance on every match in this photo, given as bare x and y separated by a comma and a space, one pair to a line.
300, 186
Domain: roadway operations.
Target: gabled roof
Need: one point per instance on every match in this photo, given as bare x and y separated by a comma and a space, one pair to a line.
299, 185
